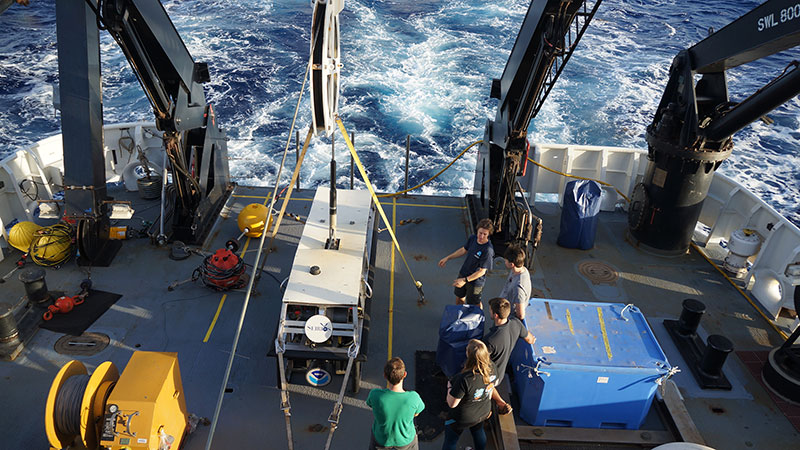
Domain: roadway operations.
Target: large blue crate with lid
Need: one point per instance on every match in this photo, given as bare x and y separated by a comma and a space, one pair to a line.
593, 365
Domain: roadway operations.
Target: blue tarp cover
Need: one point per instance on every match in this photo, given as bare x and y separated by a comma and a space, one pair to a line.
459, 324
579, 214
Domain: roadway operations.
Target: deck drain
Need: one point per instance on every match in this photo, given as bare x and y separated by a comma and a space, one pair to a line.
598, 272
86, 344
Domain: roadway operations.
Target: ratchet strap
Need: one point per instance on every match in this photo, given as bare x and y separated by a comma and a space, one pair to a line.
417, 284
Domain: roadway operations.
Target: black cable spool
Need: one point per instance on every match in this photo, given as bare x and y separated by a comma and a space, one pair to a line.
67, 409
149, 188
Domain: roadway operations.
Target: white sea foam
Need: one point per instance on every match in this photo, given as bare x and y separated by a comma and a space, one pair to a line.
410, 68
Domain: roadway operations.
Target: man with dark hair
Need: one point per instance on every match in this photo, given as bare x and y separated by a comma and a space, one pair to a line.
394, 410
518, 285
501, 340
472, 275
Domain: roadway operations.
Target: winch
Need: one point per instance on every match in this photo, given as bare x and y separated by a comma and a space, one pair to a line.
143, 407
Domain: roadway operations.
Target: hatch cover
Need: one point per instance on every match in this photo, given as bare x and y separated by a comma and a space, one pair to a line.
598, 272
86, 344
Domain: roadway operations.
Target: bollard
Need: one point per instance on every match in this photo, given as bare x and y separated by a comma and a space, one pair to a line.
691, 314
717, 350
35, 285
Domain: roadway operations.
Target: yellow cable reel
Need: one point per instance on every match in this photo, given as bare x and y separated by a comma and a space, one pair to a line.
90, 409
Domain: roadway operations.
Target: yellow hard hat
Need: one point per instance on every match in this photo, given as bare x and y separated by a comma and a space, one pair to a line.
21, 235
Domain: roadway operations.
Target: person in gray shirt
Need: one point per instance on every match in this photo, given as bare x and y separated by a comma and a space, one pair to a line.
518, 285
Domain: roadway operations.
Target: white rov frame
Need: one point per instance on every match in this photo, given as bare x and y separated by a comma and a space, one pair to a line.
342, 281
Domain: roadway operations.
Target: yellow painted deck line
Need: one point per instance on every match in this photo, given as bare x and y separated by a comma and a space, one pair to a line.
266, 197
605, 334
244, 248
214, 321
250, 196
398, 204
431, 206
241, 255
391, 282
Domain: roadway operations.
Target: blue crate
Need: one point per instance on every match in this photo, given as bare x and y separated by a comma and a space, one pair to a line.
594, 365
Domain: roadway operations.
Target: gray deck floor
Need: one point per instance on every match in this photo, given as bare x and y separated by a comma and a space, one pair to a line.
149, 317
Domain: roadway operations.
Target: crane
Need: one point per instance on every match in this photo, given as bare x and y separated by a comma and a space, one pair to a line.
173, 83
549, 35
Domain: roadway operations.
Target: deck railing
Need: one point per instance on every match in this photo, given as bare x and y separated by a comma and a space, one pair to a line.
774, 271
771, 278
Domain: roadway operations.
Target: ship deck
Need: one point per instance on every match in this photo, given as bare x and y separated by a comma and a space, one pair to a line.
199, 324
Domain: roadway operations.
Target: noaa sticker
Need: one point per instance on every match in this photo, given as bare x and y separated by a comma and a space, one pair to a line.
319, 328
318, 377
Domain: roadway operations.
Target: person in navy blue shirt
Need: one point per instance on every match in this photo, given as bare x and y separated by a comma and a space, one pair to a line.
472, 275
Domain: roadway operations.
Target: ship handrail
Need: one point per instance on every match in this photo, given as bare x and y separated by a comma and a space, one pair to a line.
773, 274
771, 278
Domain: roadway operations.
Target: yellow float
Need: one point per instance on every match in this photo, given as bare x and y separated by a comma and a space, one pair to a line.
251, 220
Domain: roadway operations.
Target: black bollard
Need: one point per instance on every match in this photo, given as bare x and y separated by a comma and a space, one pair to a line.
693, 311
35, 285
717, 350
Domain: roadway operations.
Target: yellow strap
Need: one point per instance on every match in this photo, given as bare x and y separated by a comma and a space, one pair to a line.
291, 184
433, 177
579, 177
374, 197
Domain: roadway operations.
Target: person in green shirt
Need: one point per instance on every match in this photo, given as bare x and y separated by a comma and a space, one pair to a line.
394, 410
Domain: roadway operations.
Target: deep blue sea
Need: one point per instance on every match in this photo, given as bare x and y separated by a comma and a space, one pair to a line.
410, 68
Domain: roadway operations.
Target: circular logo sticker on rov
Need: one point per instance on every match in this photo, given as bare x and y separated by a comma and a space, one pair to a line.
318, 377
319, 328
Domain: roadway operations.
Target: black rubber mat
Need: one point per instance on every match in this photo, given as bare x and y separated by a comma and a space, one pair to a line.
82, 316
431, 384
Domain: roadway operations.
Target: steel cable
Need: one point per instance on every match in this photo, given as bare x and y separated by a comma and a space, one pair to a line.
67, 409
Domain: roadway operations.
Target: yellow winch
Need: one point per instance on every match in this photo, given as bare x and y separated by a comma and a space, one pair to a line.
143, 408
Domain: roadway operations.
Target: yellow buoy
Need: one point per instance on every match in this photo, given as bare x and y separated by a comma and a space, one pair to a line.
21, 235
251, 219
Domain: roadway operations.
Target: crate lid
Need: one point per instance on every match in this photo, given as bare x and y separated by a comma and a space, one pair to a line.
593, 334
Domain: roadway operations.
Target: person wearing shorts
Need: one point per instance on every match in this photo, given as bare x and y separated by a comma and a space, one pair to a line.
479, 257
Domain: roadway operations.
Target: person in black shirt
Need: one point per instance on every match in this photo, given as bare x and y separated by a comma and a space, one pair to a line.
500, 341
468, 395
472, 275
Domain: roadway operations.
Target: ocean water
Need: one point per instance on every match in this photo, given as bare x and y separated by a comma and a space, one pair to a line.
410, 68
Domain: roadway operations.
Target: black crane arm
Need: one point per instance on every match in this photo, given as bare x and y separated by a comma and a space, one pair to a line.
549, 34
691, 132
167, 72
700, 116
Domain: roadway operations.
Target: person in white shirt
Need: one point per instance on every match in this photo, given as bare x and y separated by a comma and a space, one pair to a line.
518, 285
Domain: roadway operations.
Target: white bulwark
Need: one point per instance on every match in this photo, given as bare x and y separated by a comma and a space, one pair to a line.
339, 282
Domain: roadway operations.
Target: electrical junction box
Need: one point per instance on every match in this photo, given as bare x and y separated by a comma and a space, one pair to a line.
593, 365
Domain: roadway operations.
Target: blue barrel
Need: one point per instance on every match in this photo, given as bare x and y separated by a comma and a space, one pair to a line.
459, 324
579, 214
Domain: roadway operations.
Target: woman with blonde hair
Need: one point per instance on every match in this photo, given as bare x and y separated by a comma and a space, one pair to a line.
469, 396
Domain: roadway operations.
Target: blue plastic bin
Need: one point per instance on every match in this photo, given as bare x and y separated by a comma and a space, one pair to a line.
459, 324
594, 365
579, 214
